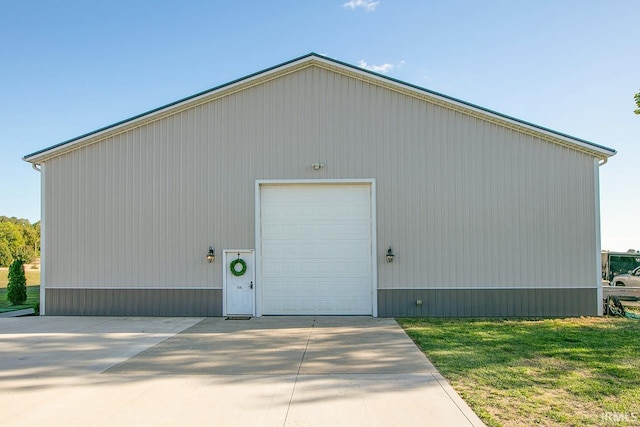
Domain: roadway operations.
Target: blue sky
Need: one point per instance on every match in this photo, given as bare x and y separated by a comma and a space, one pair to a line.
70, 67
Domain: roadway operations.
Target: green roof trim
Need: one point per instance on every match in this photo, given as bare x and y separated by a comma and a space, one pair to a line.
344, 64
469, 104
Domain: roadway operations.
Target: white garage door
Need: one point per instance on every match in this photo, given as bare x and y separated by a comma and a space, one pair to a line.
316, 249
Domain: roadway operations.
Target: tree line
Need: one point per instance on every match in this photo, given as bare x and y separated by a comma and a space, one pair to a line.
19, 240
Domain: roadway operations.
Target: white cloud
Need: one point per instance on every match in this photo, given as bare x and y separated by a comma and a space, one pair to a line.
384, 68
367, 5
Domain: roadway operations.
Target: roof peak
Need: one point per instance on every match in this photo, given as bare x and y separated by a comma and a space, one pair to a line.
40, 155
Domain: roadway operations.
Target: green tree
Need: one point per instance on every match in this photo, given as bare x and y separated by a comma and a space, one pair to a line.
11, 234
25, 254
5, 254
17, 286
637, 99
36, 245
21, 237
30, 236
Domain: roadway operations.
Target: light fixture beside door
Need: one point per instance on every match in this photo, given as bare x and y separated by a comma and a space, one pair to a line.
390, 255
211, 255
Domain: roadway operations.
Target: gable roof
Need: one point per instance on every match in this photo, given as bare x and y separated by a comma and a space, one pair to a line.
314, 59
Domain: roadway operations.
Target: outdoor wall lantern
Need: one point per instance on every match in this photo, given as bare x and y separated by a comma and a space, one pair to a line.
317, 166
211, 255
390, 255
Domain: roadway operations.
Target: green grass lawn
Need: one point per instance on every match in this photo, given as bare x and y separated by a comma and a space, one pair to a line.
33, 290
583, 371
33, 298
33, 277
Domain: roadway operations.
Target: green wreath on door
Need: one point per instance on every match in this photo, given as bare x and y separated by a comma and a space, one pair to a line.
243, 267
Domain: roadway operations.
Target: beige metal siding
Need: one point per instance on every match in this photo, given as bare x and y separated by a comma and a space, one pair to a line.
464, 202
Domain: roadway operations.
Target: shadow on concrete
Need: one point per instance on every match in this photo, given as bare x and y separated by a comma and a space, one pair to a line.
122, 350
282, 346
263, 371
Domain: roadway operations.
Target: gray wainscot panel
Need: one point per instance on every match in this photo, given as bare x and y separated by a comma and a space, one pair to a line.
567, 302
133, 302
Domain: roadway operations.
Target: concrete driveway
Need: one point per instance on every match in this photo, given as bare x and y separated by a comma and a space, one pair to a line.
269, 371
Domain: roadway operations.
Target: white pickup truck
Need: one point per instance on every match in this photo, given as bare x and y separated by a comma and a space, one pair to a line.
626, 286
632, 278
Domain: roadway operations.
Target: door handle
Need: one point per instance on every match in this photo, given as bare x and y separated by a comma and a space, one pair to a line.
251, 285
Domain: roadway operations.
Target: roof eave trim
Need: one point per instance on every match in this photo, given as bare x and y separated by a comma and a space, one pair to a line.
593, 148
587, 145
53, 150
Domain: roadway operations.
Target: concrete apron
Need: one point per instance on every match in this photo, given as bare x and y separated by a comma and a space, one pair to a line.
269, 371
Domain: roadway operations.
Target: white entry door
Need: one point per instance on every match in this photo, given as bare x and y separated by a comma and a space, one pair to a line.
239, 282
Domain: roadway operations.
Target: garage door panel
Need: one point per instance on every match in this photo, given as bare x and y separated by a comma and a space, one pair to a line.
318, 286
328, 230
307, 213
316, 245
317, 250
318, 305
282, 194
316, 269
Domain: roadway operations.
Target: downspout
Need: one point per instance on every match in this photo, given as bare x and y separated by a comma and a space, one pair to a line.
596, 179
38, 168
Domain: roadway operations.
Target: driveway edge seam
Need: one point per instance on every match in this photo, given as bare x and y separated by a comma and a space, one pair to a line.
295, 381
